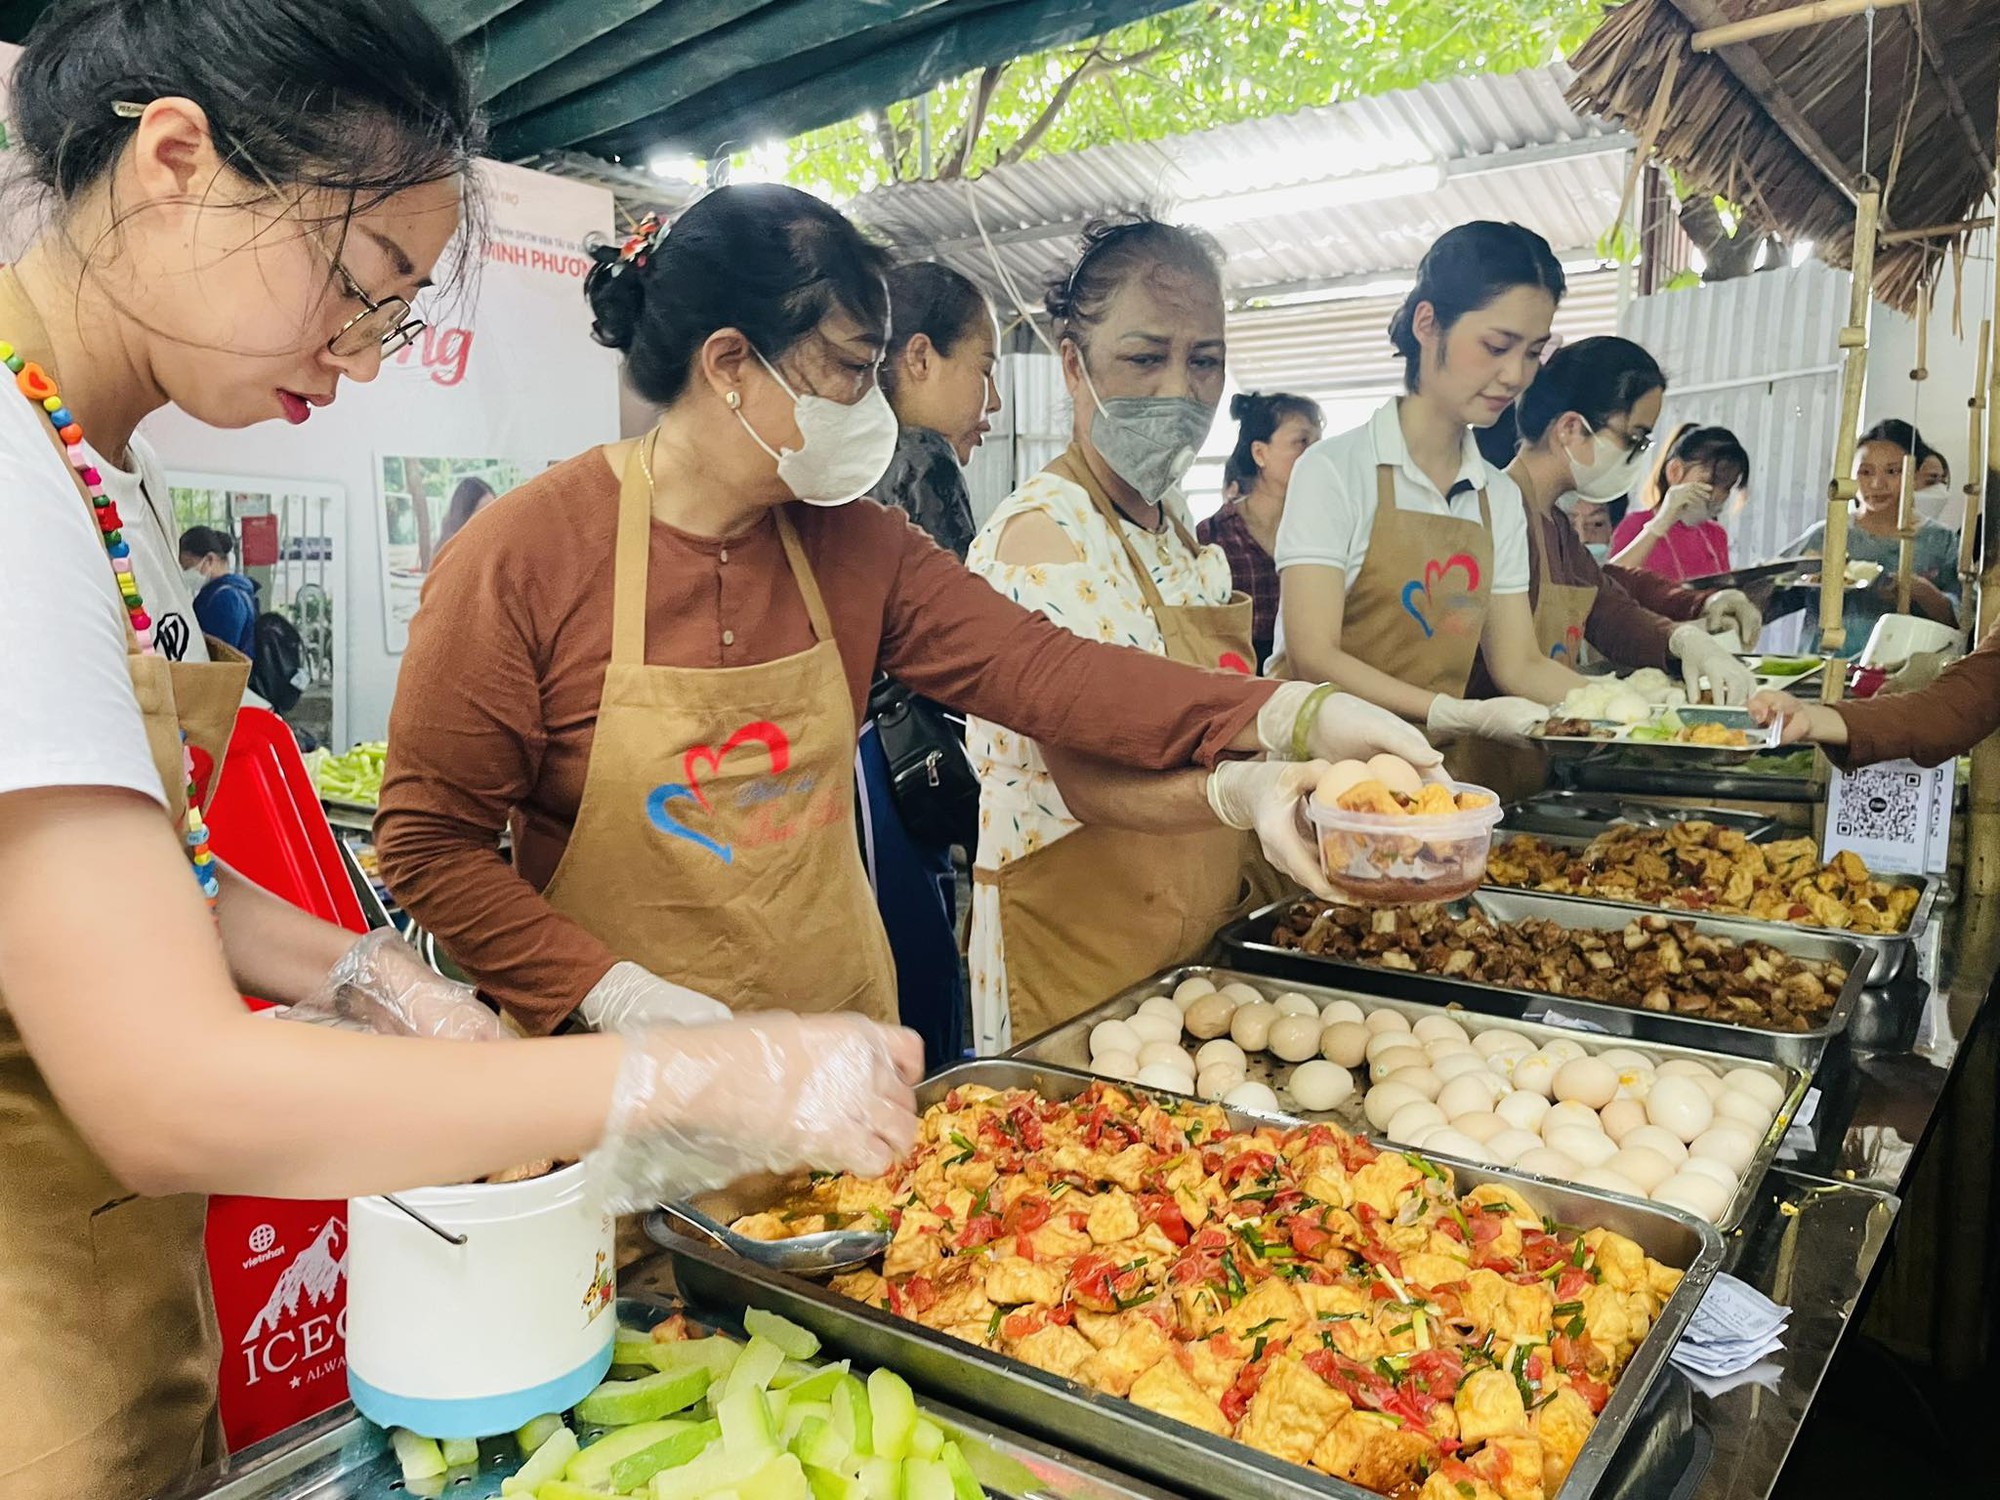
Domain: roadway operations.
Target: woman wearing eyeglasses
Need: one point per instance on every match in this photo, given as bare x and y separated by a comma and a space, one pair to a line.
208, 235
1584, 428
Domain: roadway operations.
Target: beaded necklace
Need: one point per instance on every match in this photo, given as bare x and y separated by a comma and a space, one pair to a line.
35, 384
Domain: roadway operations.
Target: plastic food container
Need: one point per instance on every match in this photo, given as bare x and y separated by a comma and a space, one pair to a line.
465, 1340
1393, 859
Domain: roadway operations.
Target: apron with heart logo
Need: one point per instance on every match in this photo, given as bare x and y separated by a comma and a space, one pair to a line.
109, 1354
1418, 603
1101, 908
715, 842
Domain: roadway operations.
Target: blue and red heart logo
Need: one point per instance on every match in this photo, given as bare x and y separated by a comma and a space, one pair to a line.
1570, 646
1417, 593
1231, 661
702, 760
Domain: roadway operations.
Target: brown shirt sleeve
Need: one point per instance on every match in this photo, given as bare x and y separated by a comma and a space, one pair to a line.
467, 737
1659, 593
1933, 724
951, 636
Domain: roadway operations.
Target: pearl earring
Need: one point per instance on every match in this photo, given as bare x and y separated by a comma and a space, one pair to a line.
734, 400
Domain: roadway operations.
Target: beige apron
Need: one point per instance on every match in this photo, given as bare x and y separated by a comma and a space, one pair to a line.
109, 1352
715, 842
1562, 614
1100, 909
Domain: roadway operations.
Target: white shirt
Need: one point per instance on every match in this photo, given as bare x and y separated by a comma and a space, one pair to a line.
65, 695
1330, 504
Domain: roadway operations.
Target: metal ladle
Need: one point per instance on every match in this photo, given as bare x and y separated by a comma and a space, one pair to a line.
807, 1255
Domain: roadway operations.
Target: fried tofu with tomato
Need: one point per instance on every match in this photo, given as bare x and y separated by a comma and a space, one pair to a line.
1140, 1345
1517, 1314
1012, 1280
1512, 1465
863, 1286
1563, 1423
1488, 1404
1214, 1363
1424, 1270
1272, 1303
1053, 1347
1372, 1450
917, 1243
1291, 1412
1620, 1263
1456, 1482
960, 1284
1171, 1392
1385, 1182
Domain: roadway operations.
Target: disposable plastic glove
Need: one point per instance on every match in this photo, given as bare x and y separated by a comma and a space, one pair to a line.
629, 998
381, 985
1730, 683
1687, 501
1731, 609
697, 1107
1506, 720
1264, 796
1343, 727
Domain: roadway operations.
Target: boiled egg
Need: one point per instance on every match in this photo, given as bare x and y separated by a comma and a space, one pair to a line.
1468, 1094
1762, 1087
1221, 1050
1162, 1007
1210, 1015
1395, 1059
1345, 1042
1296, 1038
1397, 774
1165, 1052
1545, 1161
1379, 1021
1337, 778
1489, 1043
1250, 1027
1115, 1036
1685, 1067
1190, 990
1563, 1050
1158, 1076
1457, 1065
1587, 1148
1482, 1126
1241, 993
1410, 1117
1534, 1074
1608, 1179
1644, 1169
1708, 1166
1660, 1142
1213, 1083
1740, 1109
1438, 1028
1681, 1106
1342, 1010
1252, 1095
1729, 1144
1570, 1113
1123, 1066
1510, 1145
1523, 1110
1423, 1080
1449, 1142
1701, 1196
1319, 1085
1293, 1004
1587, 1081
1621, 1117
1382, 1102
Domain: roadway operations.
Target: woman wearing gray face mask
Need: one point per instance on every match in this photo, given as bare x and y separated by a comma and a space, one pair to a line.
1088, 879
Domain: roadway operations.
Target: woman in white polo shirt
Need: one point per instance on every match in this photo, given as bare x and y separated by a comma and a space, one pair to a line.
1402, 553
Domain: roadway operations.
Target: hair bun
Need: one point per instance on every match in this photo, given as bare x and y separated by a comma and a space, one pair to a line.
1242, 404
616, 290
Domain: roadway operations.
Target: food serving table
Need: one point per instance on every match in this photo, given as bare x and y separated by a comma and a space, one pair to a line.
1813, 1240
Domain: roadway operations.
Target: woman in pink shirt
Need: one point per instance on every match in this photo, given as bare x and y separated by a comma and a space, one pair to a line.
1673, 530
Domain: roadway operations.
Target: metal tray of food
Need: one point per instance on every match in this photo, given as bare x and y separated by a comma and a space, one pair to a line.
1182, 1457
1888, 952
1767, 668
1068, 1046
1602, 739
1582, 816
1791, 775
341, 1455
1756, 573
1248, 945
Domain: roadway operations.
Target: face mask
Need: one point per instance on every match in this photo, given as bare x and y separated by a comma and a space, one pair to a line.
1150, 442
1933, 502
1611, 470
842, 449
196, 580
1598, 550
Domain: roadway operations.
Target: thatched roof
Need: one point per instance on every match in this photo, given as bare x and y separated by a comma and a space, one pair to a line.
1775, 124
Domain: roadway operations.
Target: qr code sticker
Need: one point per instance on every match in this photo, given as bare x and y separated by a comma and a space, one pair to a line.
1883, 804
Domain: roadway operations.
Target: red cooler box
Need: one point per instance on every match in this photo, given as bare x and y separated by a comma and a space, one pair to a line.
279, 1267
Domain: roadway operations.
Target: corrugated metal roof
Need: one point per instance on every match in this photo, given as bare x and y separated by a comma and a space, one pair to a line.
1511, 148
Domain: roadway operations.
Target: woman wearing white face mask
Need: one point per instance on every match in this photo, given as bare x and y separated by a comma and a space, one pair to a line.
1584, 427
1088, 879
651, 660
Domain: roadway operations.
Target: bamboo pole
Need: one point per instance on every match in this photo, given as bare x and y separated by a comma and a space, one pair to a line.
1906, 503
1975, 473
1774, 22
1840, 491
1934, 232
1982, 834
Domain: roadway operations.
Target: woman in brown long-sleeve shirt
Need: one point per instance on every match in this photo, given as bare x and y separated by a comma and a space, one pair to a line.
651, 662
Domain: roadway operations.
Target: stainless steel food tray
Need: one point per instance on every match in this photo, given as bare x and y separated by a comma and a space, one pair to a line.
1887, 952
1248, 944
1583, 815
1185, 1459
1609, 741
1068, 1046
341, 1455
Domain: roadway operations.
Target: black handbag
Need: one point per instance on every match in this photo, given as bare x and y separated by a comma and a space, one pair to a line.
930, 777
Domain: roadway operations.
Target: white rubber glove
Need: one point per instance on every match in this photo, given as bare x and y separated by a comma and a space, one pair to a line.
629, 998
380, 985
698, 1107
1687, 501
1506, 720
1343, 727
1730, 683
1731, 609
1264, 796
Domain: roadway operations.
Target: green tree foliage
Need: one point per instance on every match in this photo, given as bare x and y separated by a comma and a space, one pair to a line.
1188, 69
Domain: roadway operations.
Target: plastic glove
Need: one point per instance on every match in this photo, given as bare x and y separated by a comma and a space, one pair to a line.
1506, 720
697, 1107
1343, 727
1731, 609
1264, 795
629, 998
1687, 501
381, 985
1730, 683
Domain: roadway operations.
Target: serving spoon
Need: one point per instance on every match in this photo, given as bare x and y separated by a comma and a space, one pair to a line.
807, 1255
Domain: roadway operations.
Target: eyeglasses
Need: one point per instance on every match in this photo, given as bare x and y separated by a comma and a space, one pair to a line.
1635, 443
386, 323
